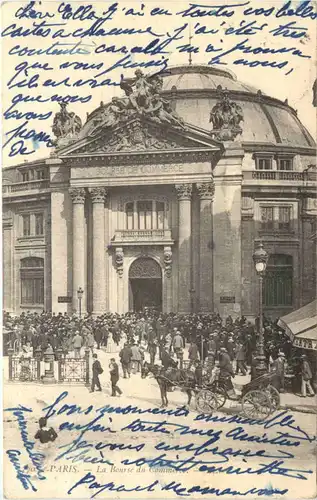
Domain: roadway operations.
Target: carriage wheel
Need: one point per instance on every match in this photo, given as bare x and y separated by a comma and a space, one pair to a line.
206, 401
274, 396
256, 404
220, 394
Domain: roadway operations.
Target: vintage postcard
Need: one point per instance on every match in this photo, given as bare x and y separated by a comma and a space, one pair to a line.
159, 233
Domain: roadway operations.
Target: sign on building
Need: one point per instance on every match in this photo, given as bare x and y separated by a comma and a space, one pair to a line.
64, 299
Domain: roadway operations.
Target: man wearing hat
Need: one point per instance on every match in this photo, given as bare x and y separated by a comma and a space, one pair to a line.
226, 370
114, 376
125, 358
279, 369
96, 371
307, 375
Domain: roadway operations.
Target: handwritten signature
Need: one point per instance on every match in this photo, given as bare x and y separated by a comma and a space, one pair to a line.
177, 488
14, 455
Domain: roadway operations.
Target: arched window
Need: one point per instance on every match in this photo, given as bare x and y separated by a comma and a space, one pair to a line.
278, 281
32, 281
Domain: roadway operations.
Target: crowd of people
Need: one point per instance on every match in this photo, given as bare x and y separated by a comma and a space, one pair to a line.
210, 339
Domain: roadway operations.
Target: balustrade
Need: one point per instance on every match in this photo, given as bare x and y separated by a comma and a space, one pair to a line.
144, 234
26, 186
273, 175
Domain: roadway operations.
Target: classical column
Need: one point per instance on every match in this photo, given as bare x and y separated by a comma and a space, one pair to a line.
98, 197
206, 192
184, 193
78, 198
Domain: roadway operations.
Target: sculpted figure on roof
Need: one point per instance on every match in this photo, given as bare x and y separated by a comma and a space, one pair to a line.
226, 117
142, 99
66, 126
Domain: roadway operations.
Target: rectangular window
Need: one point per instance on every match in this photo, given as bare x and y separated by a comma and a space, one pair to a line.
32, 291
26, 225
267, 218
129, 215
39, 224
145, 214
40, 174
284, 218
284, 164
264, 163
25, 176
160, 215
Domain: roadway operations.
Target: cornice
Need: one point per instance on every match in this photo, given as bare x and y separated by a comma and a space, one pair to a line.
188, 156
29, 197
255, 147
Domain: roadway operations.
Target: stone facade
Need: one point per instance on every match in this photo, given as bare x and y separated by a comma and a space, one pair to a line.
170, 221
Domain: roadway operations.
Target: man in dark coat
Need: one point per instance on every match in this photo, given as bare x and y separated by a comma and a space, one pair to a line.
125, 358
240, 357
96, 371
193, 353
279, 369
152, 348
307, 375
114, 376
167, 360
226, 370
98, 334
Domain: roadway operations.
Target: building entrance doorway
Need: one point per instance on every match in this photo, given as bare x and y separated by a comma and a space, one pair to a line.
145, 284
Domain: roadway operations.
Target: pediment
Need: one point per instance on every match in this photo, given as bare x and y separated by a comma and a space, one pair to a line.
142, 136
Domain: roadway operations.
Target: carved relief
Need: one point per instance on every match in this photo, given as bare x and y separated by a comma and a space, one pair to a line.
145, 267
66, 126
142, 99
119, 257
134, 136
206, 190
98, 194
168, 260
225, 117
184, 191
77, 195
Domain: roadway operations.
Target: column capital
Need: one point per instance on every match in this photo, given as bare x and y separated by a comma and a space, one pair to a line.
184, 191
98, 194
77, 195
206, 190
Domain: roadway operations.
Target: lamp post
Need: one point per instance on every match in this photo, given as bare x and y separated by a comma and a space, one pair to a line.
260, 258
80, 293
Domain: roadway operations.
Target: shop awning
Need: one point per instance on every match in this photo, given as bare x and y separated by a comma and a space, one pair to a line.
301, 326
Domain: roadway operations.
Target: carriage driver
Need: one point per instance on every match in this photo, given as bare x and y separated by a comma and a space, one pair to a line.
226, 371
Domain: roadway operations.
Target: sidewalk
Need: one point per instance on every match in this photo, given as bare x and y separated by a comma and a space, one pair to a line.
297, 403
293, 402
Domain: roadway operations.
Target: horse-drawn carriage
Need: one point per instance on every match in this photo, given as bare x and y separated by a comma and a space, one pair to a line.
258, 398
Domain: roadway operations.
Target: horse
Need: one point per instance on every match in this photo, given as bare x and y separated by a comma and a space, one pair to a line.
167, 377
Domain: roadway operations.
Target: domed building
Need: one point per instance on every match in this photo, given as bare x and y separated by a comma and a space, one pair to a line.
160, 199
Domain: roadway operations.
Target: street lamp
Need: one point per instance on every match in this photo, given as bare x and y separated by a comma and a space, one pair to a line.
260, 258
80, 293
